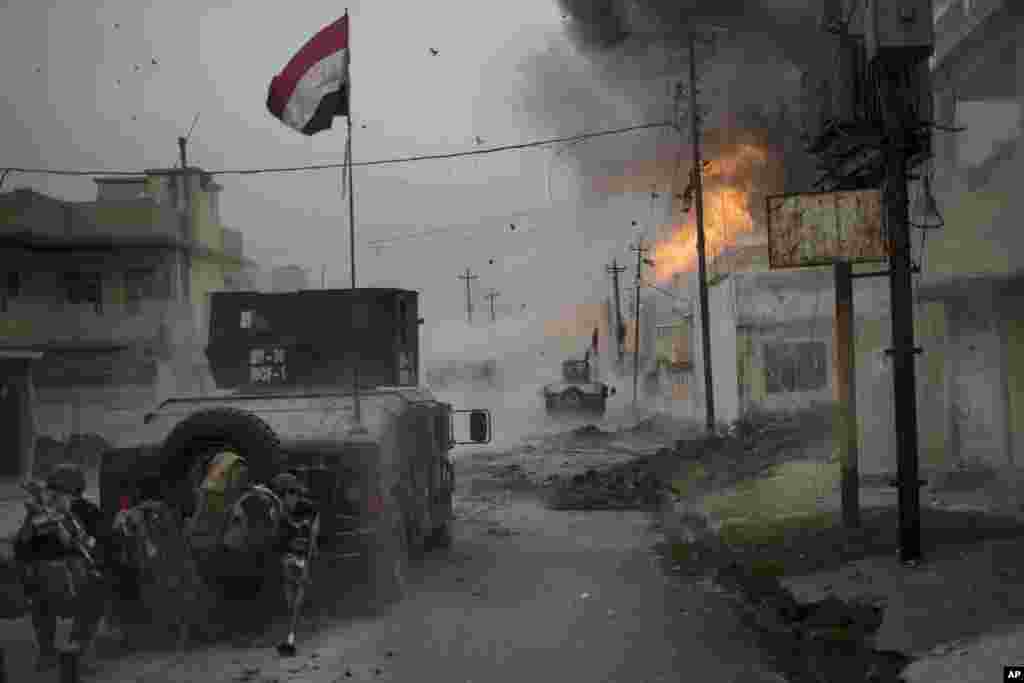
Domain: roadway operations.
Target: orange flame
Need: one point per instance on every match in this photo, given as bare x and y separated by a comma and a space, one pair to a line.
728, 182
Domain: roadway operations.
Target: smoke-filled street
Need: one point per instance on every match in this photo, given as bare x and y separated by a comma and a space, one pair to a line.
524, 593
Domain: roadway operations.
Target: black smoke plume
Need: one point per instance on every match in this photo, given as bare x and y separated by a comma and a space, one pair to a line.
624, 60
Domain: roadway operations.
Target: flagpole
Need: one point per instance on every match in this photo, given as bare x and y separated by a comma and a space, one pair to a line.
352, 227
351, 194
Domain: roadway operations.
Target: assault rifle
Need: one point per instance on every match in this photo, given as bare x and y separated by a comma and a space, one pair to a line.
80, 540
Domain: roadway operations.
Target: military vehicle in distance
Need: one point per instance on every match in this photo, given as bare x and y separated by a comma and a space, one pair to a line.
376, 461
577, 393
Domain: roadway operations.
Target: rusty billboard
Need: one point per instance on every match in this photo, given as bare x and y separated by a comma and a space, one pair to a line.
821, 228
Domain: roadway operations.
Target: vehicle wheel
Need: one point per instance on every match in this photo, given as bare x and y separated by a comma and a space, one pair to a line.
572, 399
197, 438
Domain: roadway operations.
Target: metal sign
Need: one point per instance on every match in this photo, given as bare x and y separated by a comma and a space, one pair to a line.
268, 366
821, 228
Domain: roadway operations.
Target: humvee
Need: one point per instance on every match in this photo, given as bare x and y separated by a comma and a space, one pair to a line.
577, 392
287, 367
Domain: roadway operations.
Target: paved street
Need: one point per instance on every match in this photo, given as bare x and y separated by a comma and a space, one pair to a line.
524, 594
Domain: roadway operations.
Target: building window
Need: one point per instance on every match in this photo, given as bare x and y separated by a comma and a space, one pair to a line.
83, 288
794, 367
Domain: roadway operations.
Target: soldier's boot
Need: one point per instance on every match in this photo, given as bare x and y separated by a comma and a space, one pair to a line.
83, 641
45, 626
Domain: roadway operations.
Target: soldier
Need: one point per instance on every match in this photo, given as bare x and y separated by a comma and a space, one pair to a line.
58, 547
298, 510
296, 531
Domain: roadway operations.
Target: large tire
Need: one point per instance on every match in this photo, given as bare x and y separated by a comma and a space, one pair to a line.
201, 435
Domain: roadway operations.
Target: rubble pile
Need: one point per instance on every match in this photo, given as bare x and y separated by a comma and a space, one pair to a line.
829, 641
630, 485
753, 446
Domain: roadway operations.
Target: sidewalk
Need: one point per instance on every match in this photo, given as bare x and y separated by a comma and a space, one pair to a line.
960, 613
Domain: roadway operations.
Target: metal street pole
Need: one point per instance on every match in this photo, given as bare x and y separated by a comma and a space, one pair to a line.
846, 394
897, 222
705, 324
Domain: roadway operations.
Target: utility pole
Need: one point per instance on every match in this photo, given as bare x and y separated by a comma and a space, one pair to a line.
897, 222
615, 269
705, 324
491, 295
469, 299
186, 219
323, 277
640, 250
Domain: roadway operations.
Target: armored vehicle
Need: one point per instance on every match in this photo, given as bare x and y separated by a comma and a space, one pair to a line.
577, 392
323, 384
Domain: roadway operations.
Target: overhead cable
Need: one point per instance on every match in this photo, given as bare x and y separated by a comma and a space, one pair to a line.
376, 162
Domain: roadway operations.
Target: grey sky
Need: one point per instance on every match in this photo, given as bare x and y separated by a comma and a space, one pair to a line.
83, 91
74, 81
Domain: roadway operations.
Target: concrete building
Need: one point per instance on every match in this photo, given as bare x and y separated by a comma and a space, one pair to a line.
972, 267
105, 302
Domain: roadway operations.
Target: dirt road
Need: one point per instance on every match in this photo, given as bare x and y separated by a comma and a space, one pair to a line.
524, 594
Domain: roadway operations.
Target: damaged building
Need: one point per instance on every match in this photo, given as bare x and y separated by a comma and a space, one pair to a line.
104, 303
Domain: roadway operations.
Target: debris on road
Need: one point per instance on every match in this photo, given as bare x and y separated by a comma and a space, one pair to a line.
828, 640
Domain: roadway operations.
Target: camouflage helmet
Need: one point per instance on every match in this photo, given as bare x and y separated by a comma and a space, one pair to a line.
66, 478
285, 482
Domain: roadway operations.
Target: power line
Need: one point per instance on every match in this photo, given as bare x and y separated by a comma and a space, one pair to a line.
377, 162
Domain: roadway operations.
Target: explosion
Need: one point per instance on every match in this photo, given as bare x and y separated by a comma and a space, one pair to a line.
732, 182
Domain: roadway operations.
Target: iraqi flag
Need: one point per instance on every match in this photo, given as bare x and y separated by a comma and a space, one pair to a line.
314, 86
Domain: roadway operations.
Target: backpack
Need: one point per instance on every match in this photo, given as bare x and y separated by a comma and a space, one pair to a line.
227, 478
152, 542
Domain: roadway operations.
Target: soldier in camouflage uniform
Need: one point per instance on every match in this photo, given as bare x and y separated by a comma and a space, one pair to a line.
61, 547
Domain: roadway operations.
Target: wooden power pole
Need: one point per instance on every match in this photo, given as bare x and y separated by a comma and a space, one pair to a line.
469, 298
491, 295
640, 250
615, 269
702, 266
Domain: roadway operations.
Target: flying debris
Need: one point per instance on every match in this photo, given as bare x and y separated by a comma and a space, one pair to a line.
117, 83
153, 61
364, 125
134, 117
38, 69
117, 25
511, 226
434, 52
479, 140
634, 224
138, 68
490, 261
654, 195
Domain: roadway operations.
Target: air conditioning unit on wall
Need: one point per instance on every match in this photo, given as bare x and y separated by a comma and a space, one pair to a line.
899, 30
